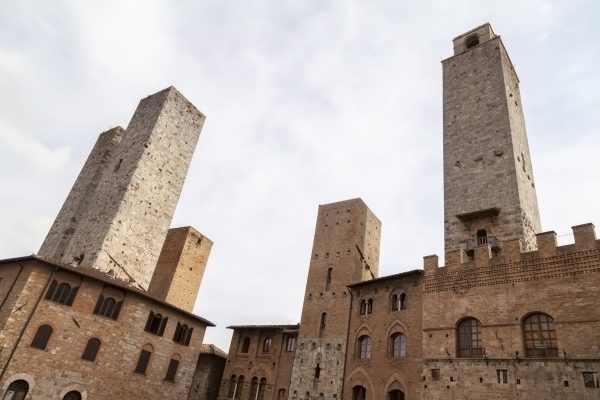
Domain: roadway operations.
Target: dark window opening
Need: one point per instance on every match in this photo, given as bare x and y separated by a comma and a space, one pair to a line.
395, 395
317, 371
17, 390
108, 307
502, 375
435, 374
482, 237
61, 293
91, 349
72, 395
370, 306
143, 360
245, 345
472, 41
322, 324
590, 379
172, 370
363, 307
290, 344
42, 336
266, 345
359, 393
253, 389
328, 279
183, 334
156, 324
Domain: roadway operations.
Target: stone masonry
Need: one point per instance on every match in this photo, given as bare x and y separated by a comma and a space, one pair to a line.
488, 178
117, 215
345, 250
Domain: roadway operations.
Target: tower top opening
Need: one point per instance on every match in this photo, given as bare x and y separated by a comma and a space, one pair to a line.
472, 38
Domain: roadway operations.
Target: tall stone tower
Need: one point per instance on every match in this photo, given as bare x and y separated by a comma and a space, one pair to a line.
345, 250
489, 190
117, 215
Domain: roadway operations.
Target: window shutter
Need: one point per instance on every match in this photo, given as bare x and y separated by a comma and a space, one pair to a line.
51, 289
99, 304
72, 295
117, 310
189, 336
176, 336
163, 324
149, 322
142, 363
172, 370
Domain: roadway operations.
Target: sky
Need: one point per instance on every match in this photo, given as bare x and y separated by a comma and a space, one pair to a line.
307, 103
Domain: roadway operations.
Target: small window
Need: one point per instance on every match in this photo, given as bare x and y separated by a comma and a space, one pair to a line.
42, 336
435, 374
72, 395
61, 293
482, 237
281, 394
266, 345
290, 344
91, 349
394, 302
317, 371
502, 375
363, 307
322, 324
590, 379
364, 347
245, 345
398, 301
472, 41
398, 345
156, 324
403, 301
183, 334
172, 369
370, 306
17, 390
328, 278
144, 359
108, 307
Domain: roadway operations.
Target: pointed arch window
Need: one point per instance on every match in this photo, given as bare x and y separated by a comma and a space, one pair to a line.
42, 336
395, 394
469, 340
539, 333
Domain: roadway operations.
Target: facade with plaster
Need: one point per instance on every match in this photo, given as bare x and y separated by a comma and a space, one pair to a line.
104, 311
509, 315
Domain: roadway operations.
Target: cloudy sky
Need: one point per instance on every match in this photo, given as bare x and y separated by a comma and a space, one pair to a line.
307, 102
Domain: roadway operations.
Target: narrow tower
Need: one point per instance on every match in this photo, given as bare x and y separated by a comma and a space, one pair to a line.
489, 190
345, 250
116, 217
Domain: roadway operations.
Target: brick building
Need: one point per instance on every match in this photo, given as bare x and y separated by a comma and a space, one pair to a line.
509, 315
104, 311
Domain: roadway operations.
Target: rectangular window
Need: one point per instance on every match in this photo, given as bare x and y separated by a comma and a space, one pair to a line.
172, 370
142, 363
435, 374
590, 379
502, 375
290, 344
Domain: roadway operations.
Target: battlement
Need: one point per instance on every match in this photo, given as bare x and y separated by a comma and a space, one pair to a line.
512, 251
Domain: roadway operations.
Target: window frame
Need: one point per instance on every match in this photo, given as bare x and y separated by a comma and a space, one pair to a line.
364, 347
467, 345
90, 352
42, 336
533, 337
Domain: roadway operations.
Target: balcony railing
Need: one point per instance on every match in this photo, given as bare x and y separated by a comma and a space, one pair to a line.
470, 244
541, 352
474, 352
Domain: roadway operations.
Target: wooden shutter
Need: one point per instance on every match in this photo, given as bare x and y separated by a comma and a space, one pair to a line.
117, 310
99, 304
163, 324
51, 289
142, 363
149, 321
189, 336
176, 336
172, 370
72, 295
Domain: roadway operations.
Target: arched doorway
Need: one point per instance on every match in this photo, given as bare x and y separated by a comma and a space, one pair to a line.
359, 393
395, 394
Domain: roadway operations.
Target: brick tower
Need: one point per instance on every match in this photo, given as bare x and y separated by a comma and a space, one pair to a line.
117, 215
345, 250
489, 190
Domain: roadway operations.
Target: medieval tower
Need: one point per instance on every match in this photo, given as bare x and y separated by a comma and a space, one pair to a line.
489, 190
117, 215
345, 250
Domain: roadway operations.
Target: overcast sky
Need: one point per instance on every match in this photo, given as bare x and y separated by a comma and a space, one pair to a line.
307, 103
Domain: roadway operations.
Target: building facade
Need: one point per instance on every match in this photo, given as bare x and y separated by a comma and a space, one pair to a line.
105, 310
509, 315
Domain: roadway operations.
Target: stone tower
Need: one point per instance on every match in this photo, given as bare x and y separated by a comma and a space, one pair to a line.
489, 190
117, 215
345, 250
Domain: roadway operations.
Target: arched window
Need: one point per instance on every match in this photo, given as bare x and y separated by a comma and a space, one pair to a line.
540, 336
262, 386
364, 347
91, 349
240, 388
17, 390
72, 395
398, 345
363, 307
245, 345
472, 41
398, 301
42, 336
370, 306
62, 293
108, 307
183, 334
232, 387
359, 393
281, 394
253, 389
266, 345
156, 324
469, 343
328, 278
172, 369
144, 359
395, 394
